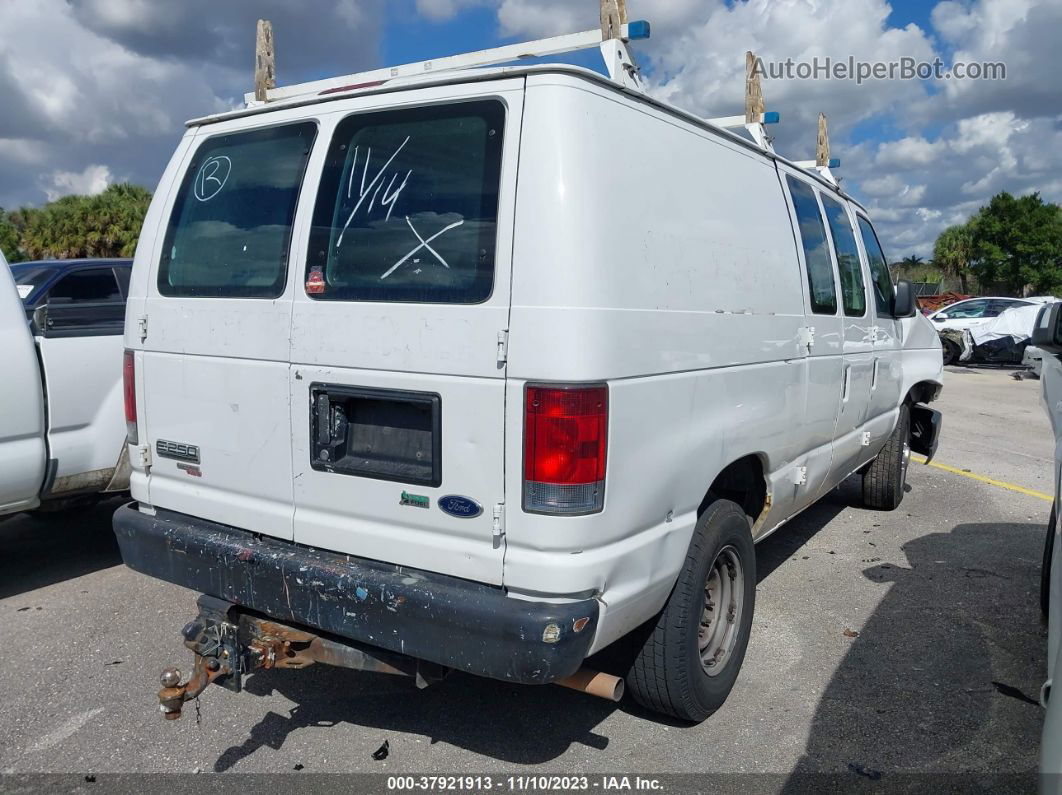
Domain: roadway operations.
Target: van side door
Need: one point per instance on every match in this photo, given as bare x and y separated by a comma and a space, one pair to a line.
858, 376
888, 338
825, 339
78, 331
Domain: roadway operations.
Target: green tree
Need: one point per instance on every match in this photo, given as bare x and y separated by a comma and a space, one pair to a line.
1018, 242
9, 237
953, 253
105, 225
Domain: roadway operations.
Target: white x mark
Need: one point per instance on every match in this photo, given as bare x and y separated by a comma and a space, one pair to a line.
423, 244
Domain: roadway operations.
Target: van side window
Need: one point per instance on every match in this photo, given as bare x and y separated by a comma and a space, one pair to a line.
816, 254
230, 230
879, 269
853, 294
408, 206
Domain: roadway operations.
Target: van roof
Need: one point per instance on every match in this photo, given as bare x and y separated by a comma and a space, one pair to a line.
481, 74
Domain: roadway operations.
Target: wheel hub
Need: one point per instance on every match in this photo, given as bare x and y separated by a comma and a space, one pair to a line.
724, 592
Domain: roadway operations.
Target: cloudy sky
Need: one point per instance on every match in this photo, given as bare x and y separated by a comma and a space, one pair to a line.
96, 91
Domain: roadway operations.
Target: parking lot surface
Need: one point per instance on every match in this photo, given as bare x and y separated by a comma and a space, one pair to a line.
883, 643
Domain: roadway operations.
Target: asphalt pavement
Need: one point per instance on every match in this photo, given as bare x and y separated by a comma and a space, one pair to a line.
884, 643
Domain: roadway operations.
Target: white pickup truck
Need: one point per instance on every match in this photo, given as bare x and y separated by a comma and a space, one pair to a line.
62, 430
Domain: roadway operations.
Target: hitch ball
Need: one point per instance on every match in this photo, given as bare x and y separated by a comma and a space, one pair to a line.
171, 677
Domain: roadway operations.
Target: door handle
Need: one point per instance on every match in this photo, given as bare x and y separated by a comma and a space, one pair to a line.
847, 383
874, 375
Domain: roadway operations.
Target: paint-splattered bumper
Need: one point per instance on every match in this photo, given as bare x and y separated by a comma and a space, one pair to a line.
460, 624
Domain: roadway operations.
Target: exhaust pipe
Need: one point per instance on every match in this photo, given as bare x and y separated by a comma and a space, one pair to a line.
594, 683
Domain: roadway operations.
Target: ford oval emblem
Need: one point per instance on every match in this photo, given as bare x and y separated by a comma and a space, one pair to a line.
461, 507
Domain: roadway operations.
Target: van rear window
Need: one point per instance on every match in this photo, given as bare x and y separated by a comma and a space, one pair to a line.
408, 206
230, 229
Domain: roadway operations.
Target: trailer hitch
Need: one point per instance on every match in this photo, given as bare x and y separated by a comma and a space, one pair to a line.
174, 694
229, 642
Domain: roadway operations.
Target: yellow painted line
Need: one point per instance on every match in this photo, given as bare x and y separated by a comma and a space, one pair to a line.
982, 479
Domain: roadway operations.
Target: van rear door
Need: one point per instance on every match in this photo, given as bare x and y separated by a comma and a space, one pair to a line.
398, 331
215, 328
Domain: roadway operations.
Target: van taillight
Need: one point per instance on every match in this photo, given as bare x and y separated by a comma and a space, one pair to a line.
129, 388
565, 441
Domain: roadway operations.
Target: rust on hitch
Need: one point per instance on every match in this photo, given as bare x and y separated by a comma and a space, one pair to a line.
229, 643
173, 694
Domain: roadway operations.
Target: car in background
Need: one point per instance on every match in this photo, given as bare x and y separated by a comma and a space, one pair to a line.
975, 311
62, 424
71, 281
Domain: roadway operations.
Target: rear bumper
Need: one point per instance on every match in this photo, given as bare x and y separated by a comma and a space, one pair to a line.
460, 624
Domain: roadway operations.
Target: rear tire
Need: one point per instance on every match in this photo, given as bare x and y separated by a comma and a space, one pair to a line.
1045, 566
691, 659
884, 479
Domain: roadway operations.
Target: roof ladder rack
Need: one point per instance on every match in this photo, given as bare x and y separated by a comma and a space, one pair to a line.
756, 116
612, 38
822, 162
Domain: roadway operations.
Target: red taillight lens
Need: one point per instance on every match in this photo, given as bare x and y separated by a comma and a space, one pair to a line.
565, 442
129, 388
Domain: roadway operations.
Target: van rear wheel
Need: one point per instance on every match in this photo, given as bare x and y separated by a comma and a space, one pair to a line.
691, 659
884, 479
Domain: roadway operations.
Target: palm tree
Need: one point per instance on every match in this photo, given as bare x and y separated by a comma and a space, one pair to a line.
105, 225
953, 253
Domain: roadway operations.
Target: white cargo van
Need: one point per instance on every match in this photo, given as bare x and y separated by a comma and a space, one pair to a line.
485, 370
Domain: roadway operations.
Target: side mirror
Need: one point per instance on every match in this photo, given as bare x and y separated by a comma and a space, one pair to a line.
39, 321
1047, 333
903, 303
940, 317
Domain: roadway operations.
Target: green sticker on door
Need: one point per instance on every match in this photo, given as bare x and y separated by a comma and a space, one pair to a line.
416, 500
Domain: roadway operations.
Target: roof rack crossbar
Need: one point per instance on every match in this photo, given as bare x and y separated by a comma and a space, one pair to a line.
618, 59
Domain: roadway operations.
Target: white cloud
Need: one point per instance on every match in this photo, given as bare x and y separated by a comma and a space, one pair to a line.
1023, 34
445, 9
950, 144
94, 179
914, 188
111, 82
22, 151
